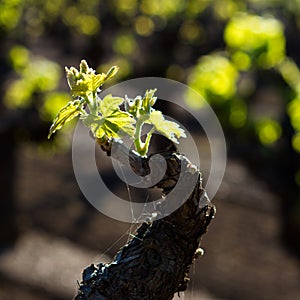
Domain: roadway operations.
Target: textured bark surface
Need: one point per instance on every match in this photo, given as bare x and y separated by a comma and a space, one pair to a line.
155, 262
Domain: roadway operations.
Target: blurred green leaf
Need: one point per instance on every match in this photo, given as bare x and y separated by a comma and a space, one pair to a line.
262, 38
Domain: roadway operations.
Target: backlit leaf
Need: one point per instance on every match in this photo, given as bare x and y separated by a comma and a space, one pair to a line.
149, 100
169, 129
86, 80
95, 123
66, 114
109, 104
122, 122
114, 125
112, 72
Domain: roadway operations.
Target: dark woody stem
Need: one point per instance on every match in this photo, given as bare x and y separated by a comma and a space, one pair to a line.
155, 263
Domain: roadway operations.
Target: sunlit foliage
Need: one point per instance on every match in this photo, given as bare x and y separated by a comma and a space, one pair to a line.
268, 131
252, 42
256, 38
214, 77
125, 31
36, 74
35, 84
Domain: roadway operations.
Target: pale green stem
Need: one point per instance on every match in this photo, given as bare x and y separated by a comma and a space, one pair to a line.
147, 141
137, 136
92, 103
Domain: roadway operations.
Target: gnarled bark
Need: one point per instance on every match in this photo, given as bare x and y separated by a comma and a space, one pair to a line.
155, 262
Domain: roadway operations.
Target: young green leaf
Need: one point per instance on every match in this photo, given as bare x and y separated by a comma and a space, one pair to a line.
149, 100
84, 67
88, 84
117, 122
104, 116
109, 104
141, 109
95, 123
111, 121
72, 76
116, 125
169, 129
133, 106
112, 72
140, 106
121, 123
86, 80
66, 114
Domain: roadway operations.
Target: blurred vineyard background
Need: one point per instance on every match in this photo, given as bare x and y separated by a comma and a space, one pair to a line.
243, 57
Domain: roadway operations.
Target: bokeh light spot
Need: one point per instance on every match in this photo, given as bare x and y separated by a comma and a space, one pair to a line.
175, 72
144, 26
241, 60
269, 131
124, 44
238, 114
293, 110
19, 57
190, 31
296, 142
214, 77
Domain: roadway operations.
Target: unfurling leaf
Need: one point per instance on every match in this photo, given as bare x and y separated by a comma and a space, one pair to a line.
133, 106
109, 104
169, 129
86, 80
140, 106
84, 67
88, 84
112, 72
149, 100
66, 114
72, 76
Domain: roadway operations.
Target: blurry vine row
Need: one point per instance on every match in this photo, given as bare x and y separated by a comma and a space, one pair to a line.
241, 56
